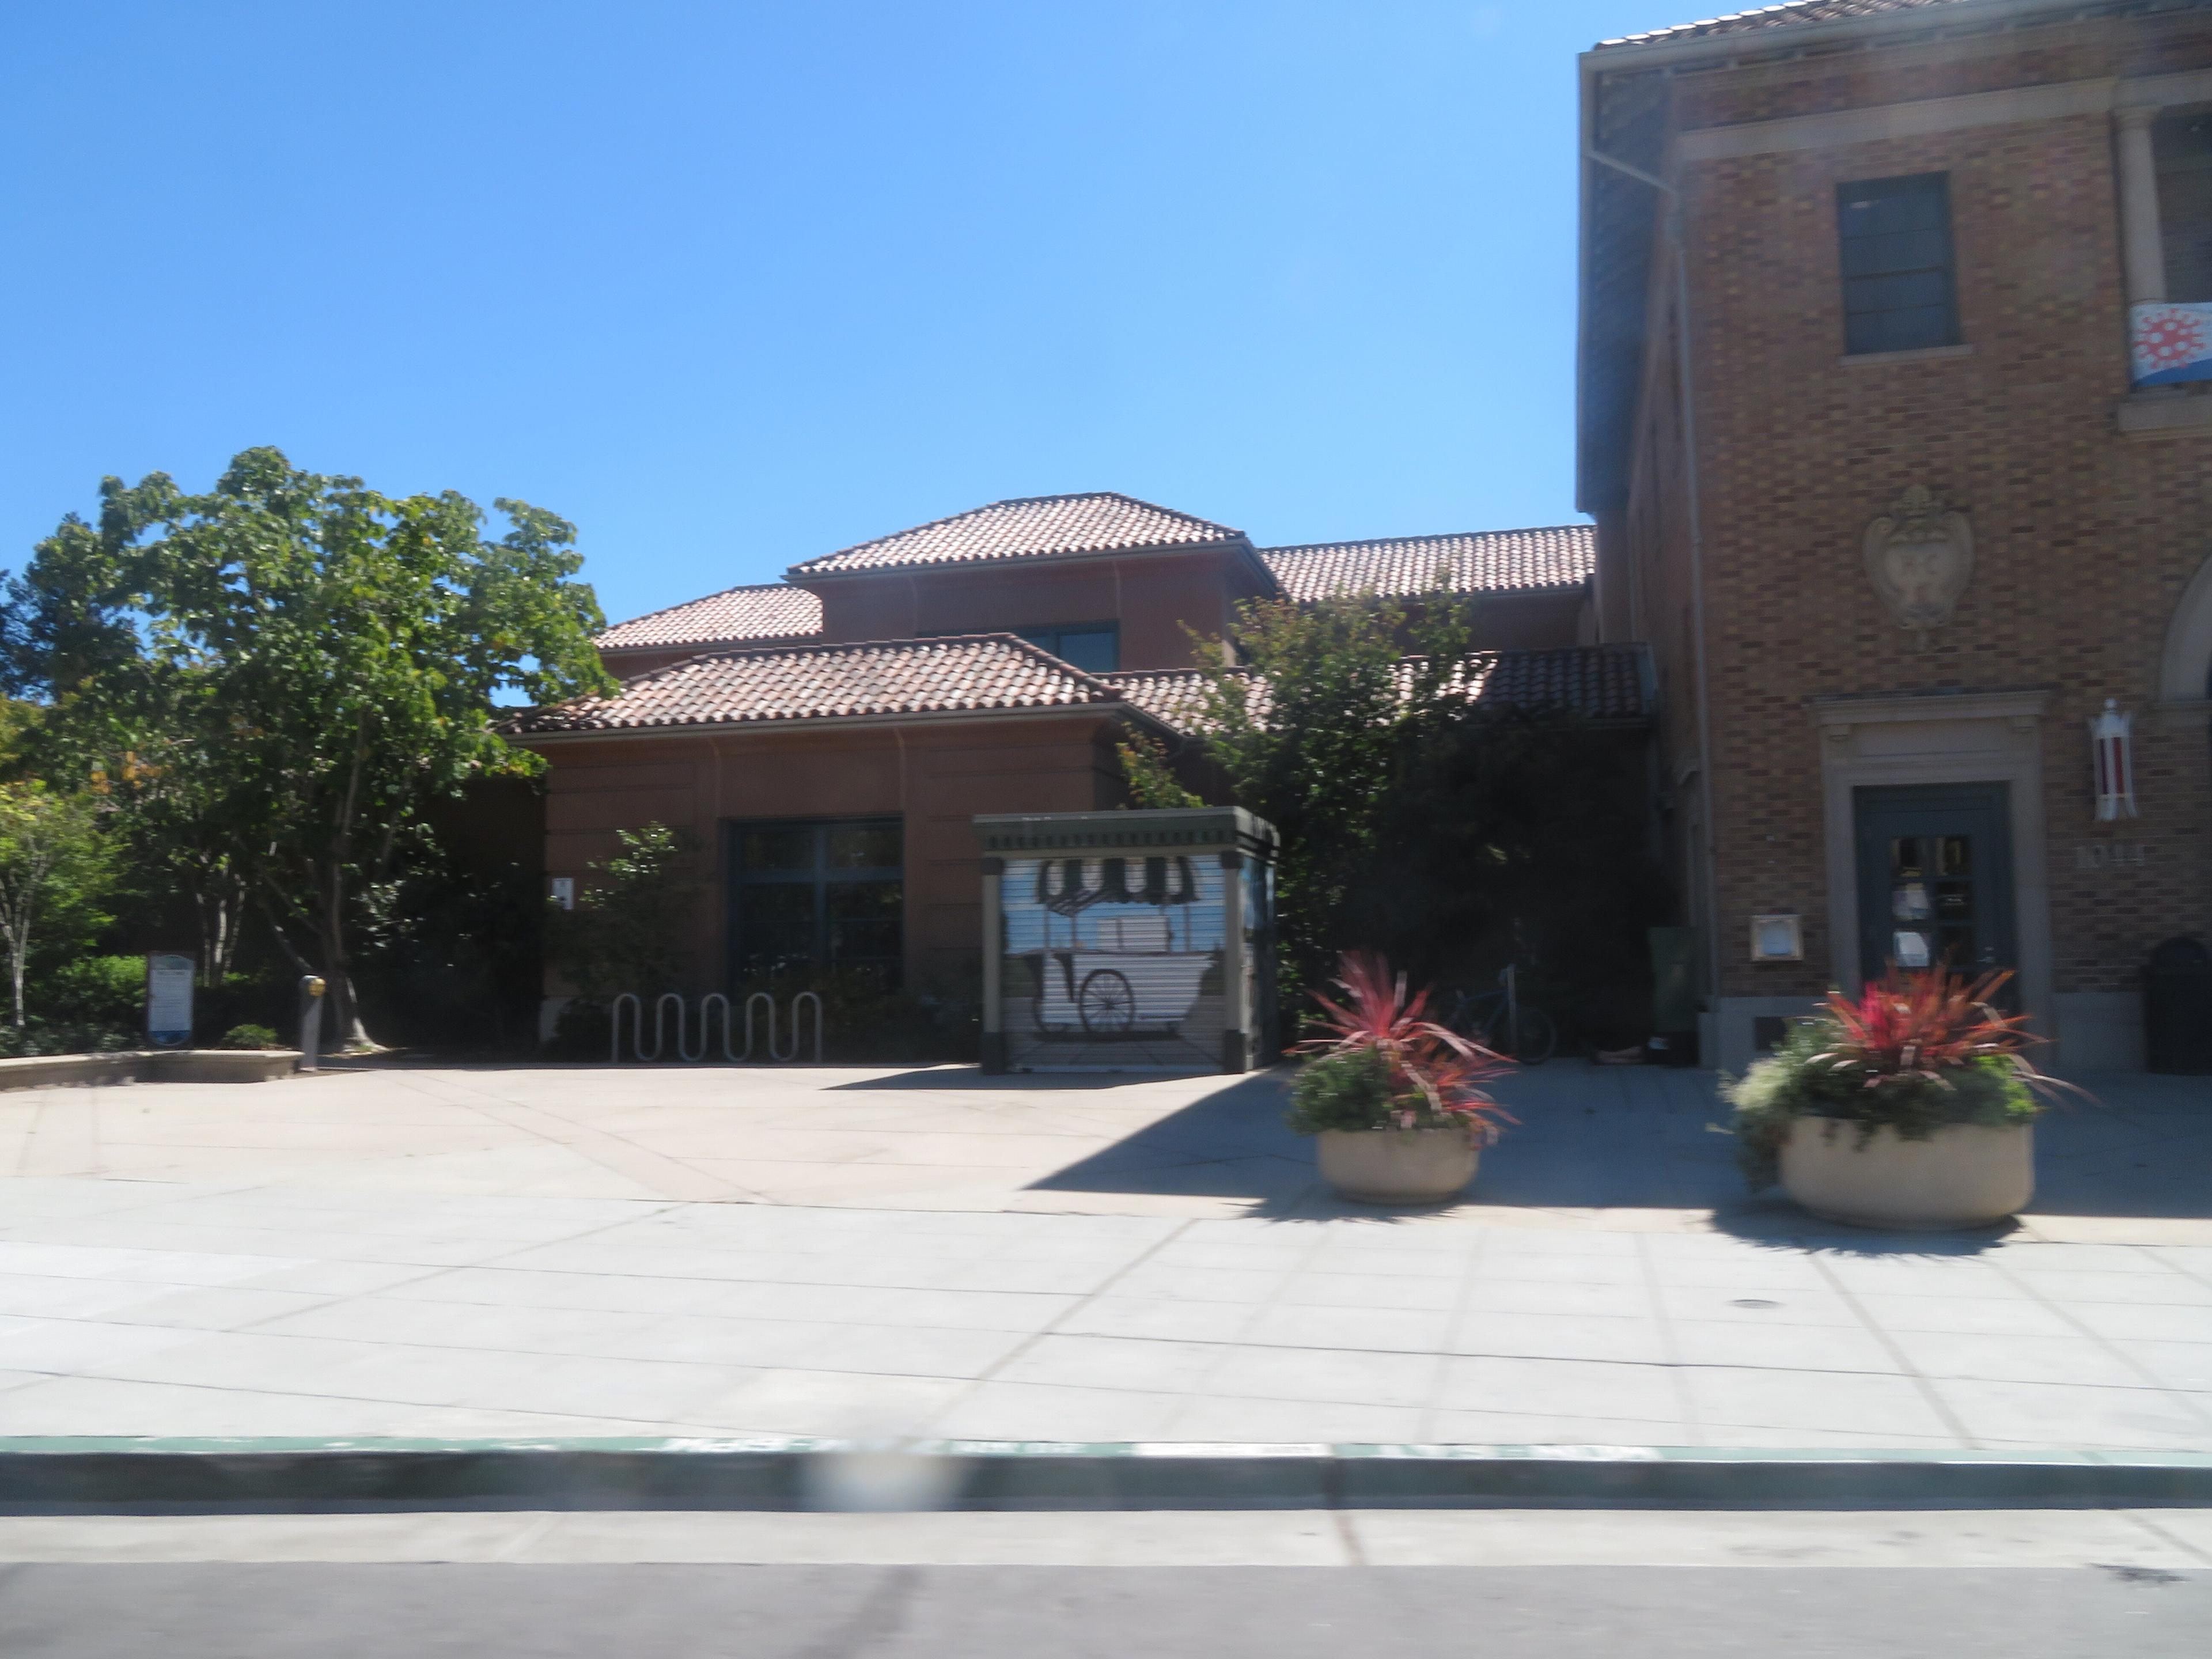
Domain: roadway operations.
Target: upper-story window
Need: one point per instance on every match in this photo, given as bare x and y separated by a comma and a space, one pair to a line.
1900, 288
2183, 144
1095, 647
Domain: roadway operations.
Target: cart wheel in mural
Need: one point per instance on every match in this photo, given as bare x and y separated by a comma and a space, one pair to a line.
1106, 1003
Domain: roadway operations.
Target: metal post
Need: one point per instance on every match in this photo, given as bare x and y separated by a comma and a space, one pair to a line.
310, 1020
1512, 1008
1235, 1016
995, 956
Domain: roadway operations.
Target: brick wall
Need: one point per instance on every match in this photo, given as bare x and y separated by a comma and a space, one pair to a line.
2083, 539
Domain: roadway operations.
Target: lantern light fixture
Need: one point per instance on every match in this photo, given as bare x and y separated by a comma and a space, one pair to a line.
2111, 742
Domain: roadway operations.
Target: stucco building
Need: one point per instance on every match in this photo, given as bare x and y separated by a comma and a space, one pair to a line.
1894, 421
831, 738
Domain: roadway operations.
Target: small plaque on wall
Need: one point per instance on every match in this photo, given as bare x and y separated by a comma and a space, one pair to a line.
1777, 939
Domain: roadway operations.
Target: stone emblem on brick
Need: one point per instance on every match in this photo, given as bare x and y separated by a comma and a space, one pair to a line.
1920, 555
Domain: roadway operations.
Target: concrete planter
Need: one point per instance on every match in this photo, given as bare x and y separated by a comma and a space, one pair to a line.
1965, 1174
1397, 1166
150, 1065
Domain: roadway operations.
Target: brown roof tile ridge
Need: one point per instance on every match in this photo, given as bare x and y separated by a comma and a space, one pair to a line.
1227, 532
832, 647
776, 587
1437, 536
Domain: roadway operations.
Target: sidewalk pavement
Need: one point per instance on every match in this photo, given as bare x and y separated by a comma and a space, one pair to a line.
406, 1253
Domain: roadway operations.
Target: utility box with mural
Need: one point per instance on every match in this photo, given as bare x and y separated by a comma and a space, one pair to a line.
1128, 940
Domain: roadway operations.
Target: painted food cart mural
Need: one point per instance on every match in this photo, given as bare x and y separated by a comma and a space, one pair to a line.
1114, 958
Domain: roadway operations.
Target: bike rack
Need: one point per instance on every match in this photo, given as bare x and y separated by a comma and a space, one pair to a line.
690, 1054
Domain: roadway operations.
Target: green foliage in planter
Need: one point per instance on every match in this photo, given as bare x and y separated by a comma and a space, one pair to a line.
1350, 1090
1800, 1079
249, 1036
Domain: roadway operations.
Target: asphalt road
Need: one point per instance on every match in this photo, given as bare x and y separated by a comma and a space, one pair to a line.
263, 1611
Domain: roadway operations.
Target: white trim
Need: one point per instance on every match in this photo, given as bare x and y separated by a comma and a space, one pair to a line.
2185, 663
1833, 128
1914, 354
2175, 414
2162, 91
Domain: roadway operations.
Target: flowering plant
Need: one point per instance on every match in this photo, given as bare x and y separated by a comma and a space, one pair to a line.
1381, 1063
1915, 1051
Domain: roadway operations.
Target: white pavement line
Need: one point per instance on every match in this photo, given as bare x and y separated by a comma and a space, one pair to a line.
1954, 1539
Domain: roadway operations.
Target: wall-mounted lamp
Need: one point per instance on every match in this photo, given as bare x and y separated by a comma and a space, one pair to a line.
2111, 742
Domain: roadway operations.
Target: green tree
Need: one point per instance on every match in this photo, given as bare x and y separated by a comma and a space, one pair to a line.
1450, 833
1311, 730
307, 663
56, 867
630, 928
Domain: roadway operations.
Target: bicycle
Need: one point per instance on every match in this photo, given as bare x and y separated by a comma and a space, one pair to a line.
1504, 1024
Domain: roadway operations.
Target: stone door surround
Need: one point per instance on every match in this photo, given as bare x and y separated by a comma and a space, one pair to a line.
1939, 737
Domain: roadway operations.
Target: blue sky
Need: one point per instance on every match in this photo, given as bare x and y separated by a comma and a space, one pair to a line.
734, 285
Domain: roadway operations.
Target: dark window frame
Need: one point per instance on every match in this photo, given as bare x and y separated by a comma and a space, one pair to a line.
1057, 630
1901, 263
1029, 632
821, 876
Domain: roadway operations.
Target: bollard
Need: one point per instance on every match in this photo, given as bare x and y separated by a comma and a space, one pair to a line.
311, 1019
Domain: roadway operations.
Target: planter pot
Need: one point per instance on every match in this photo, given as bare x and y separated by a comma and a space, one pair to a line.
1397, 1166
1965, 1174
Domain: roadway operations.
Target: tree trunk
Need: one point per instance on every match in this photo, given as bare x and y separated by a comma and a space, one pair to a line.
338, 968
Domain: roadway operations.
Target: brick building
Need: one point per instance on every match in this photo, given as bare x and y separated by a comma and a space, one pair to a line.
1897, 466
831, 738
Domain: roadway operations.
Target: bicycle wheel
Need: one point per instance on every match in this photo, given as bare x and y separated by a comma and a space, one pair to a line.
1537, 1040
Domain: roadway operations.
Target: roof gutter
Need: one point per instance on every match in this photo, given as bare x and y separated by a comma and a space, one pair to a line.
1121, 708
1775, 38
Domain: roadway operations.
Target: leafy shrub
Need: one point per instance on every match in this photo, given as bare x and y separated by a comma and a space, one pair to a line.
101, 991
249, 1036
1914, 1053
40, 1037
1348, 1091
1384, 1064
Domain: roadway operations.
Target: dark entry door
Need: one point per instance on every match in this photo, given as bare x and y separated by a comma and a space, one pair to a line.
1935, 877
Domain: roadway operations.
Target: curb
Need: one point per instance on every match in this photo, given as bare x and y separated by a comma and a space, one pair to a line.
57, 1475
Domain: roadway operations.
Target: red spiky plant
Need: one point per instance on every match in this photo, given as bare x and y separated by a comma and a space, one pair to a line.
1377, 1015
1923, 1023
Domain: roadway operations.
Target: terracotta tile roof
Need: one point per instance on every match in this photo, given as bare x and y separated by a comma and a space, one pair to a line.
1496, 561
1174, 696
769, 611
1772, 17
829, 682
1040, 526
1599, 682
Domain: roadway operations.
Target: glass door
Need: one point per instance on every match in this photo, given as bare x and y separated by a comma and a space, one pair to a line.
1936, 888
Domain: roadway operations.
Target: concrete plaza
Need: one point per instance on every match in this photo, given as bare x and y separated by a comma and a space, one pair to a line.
583, 1251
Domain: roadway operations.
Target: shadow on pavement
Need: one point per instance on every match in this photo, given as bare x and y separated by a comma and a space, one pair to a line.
1596, 1138
1229, 1144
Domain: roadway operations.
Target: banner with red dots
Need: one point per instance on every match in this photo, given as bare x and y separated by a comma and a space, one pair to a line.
2168, 343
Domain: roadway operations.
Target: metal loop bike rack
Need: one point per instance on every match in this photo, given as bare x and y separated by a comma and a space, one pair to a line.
776, 1054
692, 1052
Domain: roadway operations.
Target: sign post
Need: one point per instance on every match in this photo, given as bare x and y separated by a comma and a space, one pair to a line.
169, 1001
